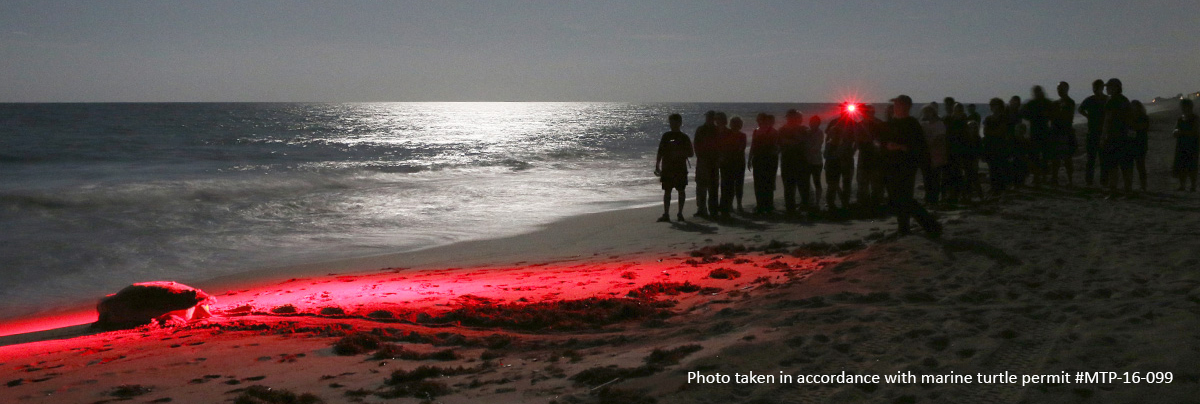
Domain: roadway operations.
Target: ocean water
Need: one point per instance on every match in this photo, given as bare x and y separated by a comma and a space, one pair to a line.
97, 196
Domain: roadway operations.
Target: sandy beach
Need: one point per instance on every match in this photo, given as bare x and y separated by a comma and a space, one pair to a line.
614, 308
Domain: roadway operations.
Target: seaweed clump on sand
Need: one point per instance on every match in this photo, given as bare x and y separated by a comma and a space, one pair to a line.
259, 394
724, 273
393, 351
357, 343
656, 362
589, 313
729, 250
415, 383
650, 290
819, 248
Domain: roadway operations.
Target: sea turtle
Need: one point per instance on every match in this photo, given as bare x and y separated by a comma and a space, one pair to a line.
142, 303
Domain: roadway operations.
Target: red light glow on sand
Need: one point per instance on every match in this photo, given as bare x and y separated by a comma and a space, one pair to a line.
405, 294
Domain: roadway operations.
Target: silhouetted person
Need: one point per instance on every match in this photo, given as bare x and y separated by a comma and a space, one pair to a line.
1141, 140
903, 152
764, 161
935, 167
963, 146
707, 170
814, 141
792, 165
1037, 113
733, 164
948, 104
1187, 145
998, 148
1022, 149
973, 116
671, 165
870, 167
1062, 143
840, 137
1115, 149
1092, 108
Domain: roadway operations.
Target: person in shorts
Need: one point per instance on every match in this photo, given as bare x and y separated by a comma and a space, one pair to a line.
671, 165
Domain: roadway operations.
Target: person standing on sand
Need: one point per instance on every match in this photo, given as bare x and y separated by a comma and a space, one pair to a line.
814, 140
792, 166
934, 169
1187, 145
1115, 148
1141, 140
904, 151
839, 158
1062, 143
997, 148
1037, 113
1092, 108
1021, 146
869, 170
764, 161
671, 165
733, 165
963, 146
707, 171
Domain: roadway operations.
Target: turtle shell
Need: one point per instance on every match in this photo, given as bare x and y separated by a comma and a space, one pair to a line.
141, 303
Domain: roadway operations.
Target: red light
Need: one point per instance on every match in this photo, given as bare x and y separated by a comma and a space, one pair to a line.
851, 108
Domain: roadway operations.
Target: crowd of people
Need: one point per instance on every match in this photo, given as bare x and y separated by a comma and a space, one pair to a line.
877, 160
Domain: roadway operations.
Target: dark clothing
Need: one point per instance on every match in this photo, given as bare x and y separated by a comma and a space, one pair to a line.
673, 152
904, 151
963, 146
732, 158
870, 167
841, 136
997, 151
1062, 143
792, 165
1141, 136
764, 155
1037, 113
707, 168
1117, 144
1093, 108
1187, 146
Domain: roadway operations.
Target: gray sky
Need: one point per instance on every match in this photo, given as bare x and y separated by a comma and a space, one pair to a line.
783, 51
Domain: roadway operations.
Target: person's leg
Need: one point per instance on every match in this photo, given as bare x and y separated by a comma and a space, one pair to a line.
701, 187
863, 181
739, 181
1089, 169
773, 176
682, 197
714, 184
1092, 150
818, 189
1053, 173
667, 202
900, 198
725, 190
832, 183
804, 186
847, 181
789, 193
1140, 164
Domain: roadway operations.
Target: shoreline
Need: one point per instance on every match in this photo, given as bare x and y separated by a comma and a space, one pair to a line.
556, 234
